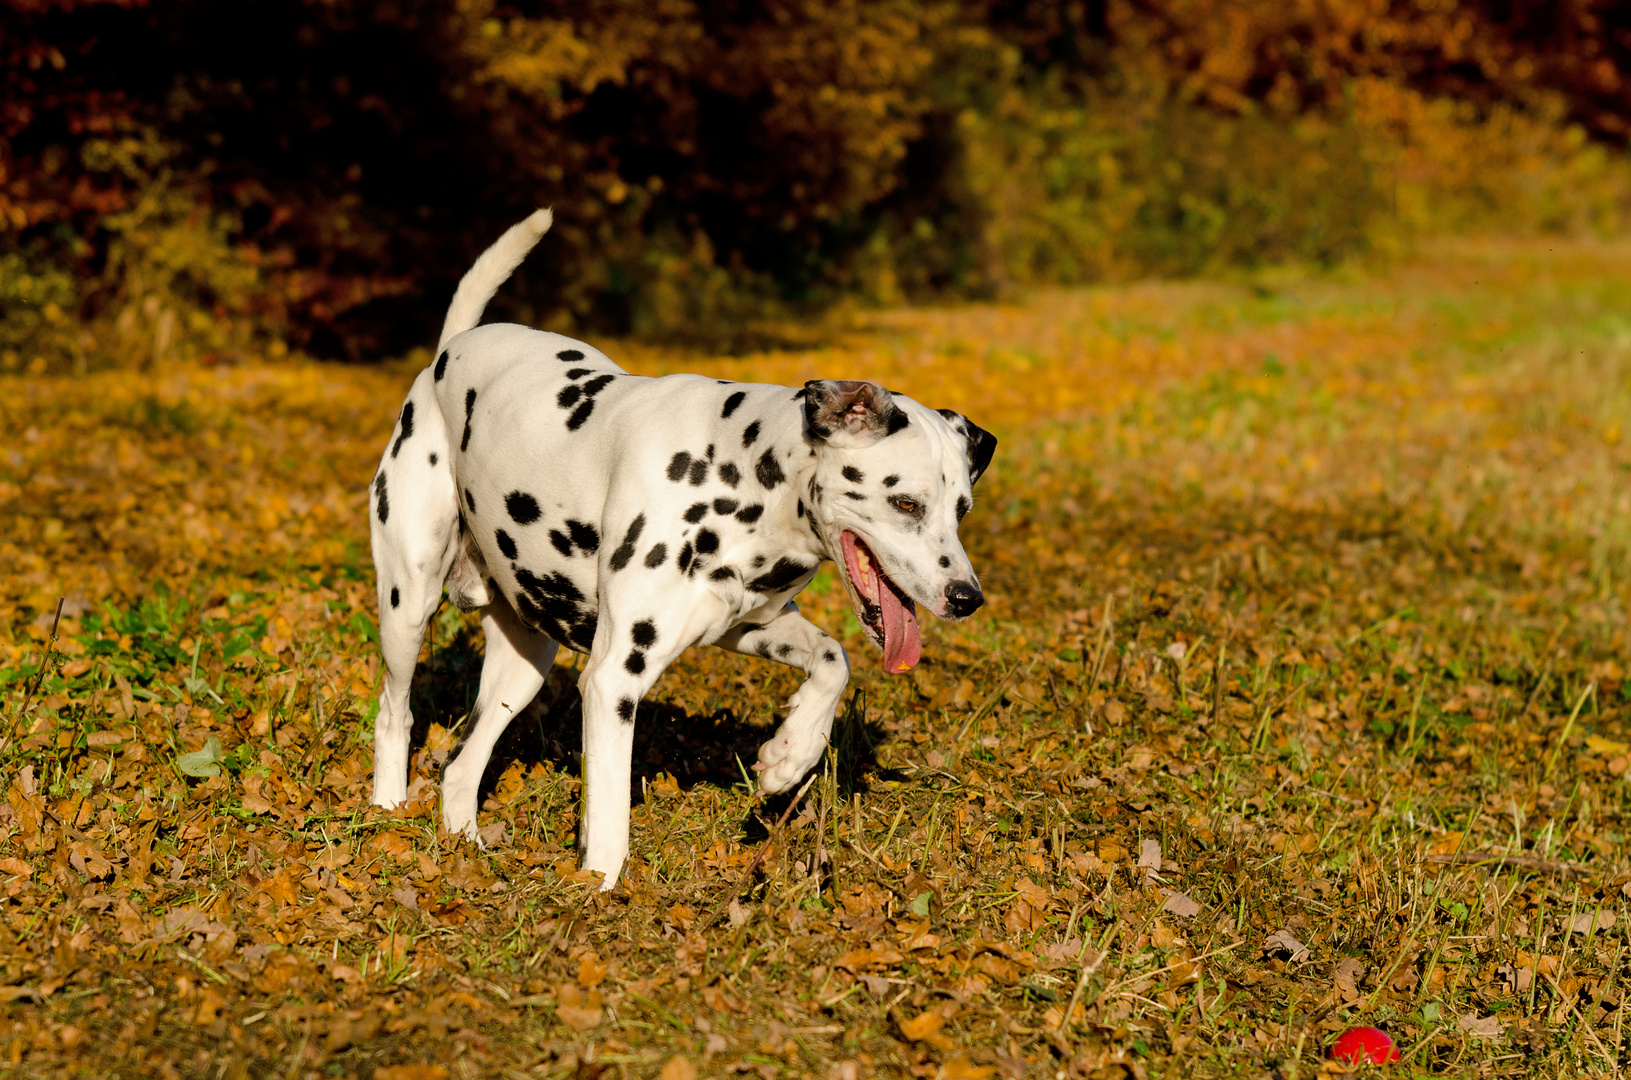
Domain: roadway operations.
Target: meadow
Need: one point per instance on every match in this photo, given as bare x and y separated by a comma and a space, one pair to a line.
1299, 701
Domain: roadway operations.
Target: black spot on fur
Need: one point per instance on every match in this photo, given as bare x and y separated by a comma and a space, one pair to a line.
696, 513
724, 506
678, 465
964, 505
583, 633
945, 560
557, 585
897, 421
645, 633
707, 542
699, 472
801, 508
469, 408
730, 474
585, 536
505, 544
750, 434
749, 514
578, 372
856, 495
383, 504
441, 366
625, 550
723, 573
852, 474
523, 508
636, 663
683, 560
769, 470
891, 480
830, 656
778, 577
710, 451
562, 542
625, 710
569, 396
731, 403
784, 651
469, 500
396, 597
433, 461
407, 427
571, 356
575, 421
758, 561
763, 649
799, 396
597, 384
655, 557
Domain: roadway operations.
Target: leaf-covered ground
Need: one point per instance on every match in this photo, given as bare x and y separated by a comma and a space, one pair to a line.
1299, 701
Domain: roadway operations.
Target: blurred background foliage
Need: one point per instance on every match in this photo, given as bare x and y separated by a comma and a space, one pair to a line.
199, 180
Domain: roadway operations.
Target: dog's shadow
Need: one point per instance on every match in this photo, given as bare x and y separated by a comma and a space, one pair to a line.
716, 748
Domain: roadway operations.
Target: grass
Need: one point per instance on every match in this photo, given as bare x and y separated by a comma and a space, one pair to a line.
1299, 702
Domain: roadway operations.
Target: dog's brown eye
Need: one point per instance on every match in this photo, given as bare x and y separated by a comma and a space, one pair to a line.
905, 505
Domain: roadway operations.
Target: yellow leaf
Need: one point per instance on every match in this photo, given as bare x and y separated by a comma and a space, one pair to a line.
590, 970
923, 1025
1606, 747
960, 1067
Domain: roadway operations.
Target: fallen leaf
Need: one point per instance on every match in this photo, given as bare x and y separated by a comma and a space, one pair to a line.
1282, 944
1584, 922
1180, 904
678, 1069
577, 1009
1477, 1027
858, 960
922, 1026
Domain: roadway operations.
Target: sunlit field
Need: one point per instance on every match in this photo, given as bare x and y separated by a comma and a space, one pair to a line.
1299, 701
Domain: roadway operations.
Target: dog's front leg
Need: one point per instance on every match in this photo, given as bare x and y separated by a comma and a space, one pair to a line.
798, 743
631, 649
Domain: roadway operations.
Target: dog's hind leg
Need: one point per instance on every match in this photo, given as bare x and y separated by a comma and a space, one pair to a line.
798, 743
515, 663
415, 535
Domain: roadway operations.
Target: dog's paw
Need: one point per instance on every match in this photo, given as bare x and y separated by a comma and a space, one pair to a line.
780, 767
462, 826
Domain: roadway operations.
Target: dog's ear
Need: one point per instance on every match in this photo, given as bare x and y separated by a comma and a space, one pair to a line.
849, 413
978, 443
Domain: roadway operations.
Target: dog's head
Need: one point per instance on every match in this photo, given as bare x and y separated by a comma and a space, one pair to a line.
892, 481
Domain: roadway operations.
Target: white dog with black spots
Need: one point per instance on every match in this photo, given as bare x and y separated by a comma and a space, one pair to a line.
630, 518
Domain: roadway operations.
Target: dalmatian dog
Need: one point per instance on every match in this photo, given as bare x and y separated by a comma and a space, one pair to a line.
630, 518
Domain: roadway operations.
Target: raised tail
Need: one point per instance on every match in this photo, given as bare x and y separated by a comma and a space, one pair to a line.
491, 270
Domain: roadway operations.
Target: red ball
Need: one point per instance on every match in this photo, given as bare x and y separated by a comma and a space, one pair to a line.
1364, 1046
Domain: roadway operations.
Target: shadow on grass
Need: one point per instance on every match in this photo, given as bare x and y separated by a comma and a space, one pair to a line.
716, 748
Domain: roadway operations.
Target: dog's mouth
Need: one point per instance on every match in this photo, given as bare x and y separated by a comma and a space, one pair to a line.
886, 613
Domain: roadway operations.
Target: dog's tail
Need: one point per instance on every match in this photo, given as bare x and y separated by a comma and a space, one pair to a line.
490, 271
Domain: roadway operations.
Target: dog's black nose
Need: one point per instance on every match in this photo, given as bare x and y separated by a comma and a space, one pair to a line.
963, 599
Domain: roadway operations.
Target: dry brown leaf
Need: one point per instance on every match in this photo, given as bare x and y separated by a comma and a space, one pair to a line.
678, 1068
578, 1010
858, 960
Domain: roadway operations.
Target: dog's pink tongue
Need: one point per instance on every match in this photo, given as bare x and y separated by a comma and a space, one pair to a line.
901, 644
